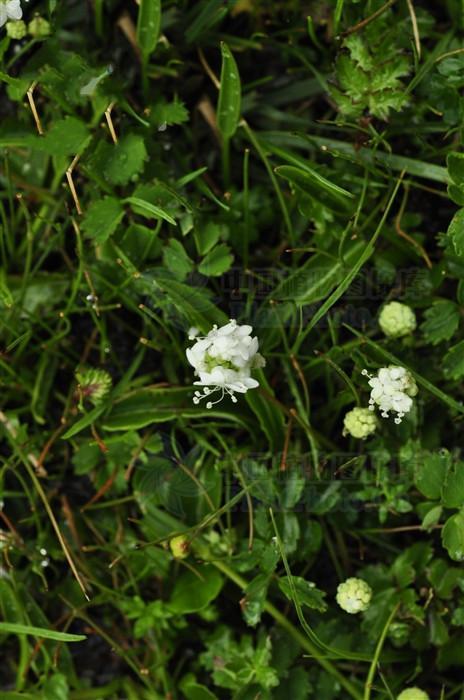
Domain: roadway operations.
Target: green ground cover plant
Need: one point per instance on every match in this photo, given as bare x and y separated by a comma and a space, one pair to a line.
267, 199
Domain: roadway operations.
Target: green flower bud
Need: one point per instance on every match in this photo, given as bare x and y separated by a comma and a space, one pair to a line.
94, 384
410, 386
354, 595
180, 546
38, 27
359, 422
16, 29
397, 320
398, 633
413, 694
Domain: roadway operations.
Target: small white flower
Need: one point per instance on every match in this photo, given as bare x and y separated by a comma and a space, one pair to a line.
11, 9
223, 360
354, 595
413, 694
360, 423
392, 390
397, 320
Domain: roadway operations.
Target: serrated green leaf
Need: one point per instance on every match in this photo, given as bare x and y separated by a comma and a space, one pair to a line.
102, 218
164, 113
455, 163
429, 473
432, 517
218, 261
452, 495
176, 259
125, 159
67, 137
385, 78
148, 26
17, 87
456, 193
297, 686
252, 604
456, 232
452, 536
207, 235
306, 592
359, 51
453, 362
352, 78
380, 103
65, 78
229, 102
442, 320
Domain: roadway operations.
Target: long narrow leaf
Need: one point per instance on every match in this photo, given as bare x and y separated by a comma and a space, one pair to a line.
149, 208
14, 628
349, 277
148, 26
228, 109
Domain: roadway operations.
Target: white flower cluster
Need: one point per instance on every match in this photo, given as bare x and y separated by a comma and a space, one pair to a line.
397, 320
10, 9
354, 595
413, 694
392, 390
223, 361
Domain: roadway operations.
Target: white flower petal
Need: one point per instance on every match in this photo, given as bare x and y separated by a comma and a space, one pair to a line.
13, 9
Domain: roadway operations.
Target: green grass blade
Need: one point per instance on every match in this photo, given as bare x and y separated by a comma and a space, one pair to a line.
349, 277
147, 207
317, 186
14, 628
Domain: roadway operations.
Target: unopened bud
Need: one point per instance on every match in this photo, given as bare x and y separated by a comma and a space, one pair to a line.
179, 546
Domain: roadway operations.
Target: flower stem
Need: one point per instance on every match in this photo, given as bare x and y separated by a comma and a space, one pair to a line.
226, 163
284, 622
262, 154
378, 649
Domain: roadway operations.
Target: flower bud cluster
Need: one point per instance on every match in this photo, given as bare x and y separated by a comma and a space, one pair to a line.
397, 320
354, 595
413, 694
94, 384
360, 423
